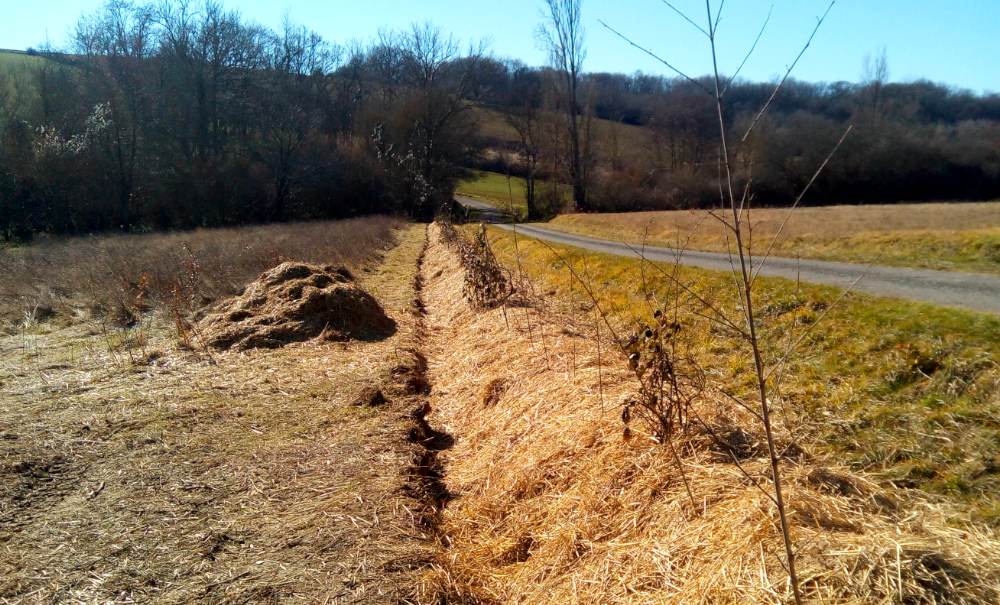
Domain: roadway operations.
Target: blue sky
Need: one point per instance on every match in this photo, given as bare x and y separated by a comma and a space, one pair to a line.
956, 42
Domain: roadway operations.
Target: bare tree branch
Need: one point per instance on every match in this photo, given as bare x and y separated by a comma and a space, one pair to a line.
651, 54
685, 17
787, 73
740, 68
797, 200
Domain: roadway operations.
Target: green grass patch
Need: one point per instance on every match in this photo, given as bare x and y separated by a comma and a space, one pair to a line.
907, 390
495, 189
9, 60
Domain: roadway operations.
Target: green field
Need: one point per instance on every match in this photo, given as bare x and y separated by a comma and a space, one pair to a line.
506, 194
14, 71
627, 142
497, 189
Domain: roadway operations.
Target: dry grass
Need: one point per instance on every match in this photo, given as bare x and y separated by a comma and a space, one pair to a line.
908, 390
70, 277
295, 302
554, 506
240, 477
959, 236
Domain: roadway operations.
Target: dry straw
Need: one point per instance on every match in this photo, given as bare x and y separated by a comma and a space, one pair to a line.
243, 478
294, 302
553, 506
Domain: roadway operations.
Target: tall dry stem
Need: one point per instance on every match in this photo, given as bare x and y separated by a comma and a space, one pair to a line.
737, 203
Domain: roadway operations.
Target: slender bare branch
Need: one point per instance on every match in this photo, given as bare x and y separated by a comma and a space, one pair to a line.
795, 205
738, 402
787, 73
736, 460
721, 317
674, 8
752, 48
589, 291
718, 15
827, 311
655, 56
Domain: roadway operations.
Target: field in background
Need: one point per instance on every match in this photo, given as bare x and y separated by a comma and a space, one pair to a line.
493, 188
907, 390
626, 141
18, 60
69, 277
957, 236
13, 68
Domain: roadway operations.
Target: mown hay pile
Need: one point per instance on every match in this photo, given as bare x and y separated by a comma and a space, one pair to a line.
554, 506
295, 302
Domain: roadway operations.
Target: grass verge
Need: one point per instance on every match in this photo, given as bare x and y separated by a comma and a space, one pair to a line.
553, 503
907, 390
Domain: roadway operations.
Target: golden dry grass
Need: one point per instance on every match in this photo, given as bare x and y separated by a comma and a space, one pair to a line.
294, 302
554, 506
960, 236
905, 389
235, 477
71, 277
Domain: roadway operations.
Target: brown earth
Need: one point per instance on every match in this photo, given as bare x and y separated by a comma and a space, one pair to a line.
223, 477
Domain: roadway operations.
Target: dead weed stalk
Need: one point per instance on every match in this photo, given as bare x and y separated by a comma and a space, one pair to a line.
488, 284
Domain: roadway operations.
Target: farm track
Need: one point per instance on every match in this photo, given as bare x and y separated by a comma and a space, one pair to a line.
968, 290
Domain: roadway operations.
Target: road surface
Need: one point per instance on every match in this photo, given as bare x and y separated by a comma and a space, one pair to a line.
968, 290
488, 213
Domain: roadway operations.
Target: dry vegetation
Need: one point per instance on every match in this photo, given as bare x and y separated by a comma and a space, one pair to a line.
956, 236
256, 476
554, 505
312, 472
119, 275
295, 302
907, 390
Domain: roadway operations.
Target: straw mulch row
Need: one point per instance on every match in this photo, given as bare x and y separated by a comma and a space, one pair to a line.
552, 505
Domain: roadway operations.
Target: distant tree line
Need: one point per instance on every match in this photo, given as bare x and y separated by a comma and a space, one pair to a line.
176, 115
657, 145
910, 141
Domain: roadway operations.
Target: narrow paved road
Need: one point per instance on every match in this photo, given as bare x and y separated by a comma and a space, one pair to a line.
487, 212
969, 290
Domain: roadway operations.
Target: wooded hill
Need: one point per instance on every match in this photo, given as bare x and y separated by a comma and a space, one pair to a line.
162, 116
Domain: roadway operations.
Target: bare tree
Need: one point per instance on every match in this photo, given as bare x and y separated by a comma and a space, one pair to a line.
116, 43
435, 118
291, 92
522, 111
563, 38
875, 75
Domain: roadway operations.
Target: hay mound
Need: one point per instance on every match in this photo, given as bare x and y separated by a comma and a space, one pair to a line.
295, 302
